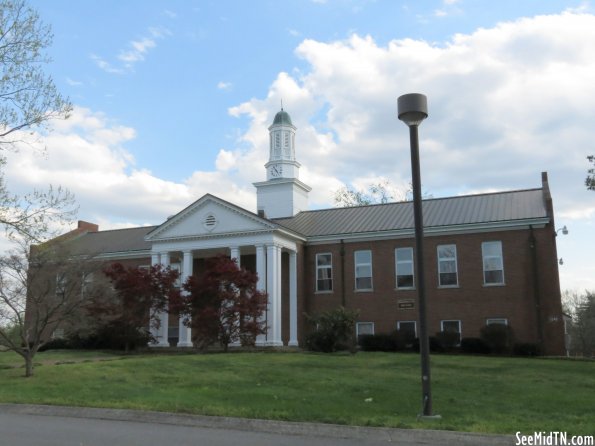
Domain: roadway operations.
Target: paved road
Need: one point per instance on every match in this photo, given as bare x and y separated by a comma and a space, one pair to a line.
66, 426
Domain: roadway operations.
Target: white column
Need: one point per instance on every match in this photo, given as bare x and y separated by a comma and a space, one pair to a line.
274, 291
164, 315
185, 333
235, 254
261, 270
293, 340
154, 331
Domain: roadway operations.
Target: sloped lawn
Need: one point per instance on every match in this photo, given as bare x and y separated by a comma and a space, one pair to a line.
477, 394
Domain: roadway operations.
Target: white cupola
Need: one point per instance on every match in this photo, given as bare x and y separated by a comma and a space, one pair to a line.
282, 194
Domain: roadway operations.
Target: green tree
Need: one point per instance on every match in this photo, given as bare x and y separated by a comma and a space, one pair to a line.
590, 180
28, 97
581, 307
28, 101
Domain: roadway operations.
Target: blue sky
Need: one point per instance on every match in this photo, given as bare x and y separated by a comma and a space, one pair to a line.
173, 100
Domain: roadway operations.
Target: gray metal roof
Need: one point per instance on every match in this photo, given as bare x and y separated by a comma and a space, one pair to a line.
498, 207
112, 241
502, 207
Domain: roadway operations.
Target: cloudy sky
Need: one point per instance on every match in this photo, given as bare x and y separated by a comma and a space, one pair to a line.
173, 100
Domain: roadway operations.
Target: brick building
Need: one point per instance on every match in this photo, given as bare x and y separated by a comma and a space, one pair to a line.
490, 258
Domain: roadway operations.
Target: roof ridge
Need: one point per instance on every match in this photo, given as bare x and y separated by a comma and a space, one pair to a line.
122, 229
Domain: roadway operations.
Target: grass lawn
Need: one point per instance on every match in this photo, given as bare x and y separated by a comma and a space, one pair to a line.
476, 394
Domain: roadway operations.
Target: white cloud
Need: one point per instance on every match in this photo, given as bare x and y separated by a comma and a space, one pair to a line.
135, 52
138, 51
224, 85
505, 103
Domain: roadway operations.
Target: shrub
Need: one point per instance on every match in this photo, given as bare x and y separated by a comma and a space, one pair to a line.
378, 343
448, 340
435, 346
526, 349
56, 344
332, 330
498, 337
475, 345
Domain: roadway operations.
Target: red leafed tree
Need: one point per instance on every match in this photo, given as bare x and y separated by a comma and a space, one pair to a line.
139, 295
223, 305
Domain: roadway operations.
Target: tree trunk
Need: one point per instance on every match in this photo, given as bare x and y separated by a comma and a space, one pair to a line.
28, 365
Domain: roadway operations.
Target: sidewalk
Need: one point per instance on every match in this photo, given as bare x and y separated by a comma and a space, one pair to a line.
422, 437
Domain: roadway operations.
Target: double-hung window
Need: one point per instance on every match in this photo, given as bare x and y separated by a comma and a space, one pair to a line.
404, 267
363, 270
452, 327
493, 267
447, 265
364, 328
407, 329
324, 272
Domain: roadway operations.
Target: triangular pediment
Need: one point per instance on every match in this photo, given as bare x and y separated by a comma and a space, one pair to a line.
210, 216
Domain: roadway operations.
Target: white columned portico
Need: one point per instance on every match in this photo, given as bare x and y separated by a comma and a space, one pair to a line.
274, 292
185, 333
161, 333
293, 340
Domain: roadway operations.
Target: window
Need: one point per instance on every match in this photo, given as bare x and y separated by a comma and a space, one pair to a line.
451, 327
86, 284
58, 333
493, 269
60, 284
497, 321
324, 272
363, 270
408, 328
364, 328
447, 265
404, 267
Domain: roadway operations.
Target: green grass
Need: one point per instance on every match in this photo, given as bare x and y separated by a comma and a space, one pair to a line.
476, 394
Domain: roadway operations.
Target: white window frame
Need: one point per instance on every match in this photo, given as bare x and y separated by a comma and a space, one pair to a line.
322, 267
453, 320
485, 257
404, 262
497, 320
442, 260
363, 264
408, 322
357, 328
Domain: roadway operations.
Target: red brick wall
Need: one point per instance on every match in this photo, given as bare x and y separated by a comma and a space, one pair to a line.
471, 302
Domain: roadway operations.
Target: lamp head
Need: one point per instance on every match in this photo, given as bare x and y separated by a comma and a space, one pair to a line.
413, 108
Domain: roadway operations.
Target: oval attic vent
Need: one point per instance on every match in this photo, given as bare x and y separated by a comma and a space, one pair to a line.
210, 222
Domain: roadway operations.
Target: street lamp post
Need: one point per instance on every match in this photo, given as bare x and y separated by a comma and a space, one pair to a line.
413, 109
